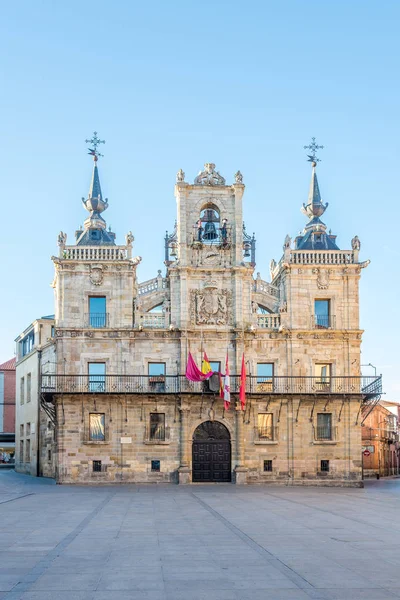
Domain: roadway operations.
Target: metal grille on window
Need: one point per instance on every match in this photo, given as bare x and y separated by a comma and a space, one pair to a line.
155, 466
268, 465
97, 466
324, 466
157, 426
324, 426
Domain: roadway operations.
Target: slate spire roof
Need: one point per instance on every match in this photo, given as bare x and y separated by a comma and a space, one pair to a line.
314, 236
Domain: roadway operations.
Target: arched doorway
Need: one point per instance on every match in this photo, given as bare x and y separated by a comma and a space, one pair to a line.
211, 452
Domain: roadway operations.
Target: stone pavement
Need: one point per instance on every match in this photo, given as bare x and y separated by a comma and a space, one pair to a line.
215, 542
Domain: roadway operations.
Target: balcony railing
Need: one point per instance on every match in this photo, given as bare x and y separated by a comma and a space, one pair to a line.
323, 257
95, 253
97, 320
323, 321
270, 321
178, 384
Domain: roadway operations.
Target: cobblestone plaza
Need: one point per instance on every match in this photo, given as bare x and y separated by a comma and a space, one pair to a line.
214, 542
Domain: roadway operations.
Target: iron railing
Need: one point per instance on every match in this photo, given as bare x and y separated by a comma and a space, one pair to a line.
323, 321
96, 320
178, 384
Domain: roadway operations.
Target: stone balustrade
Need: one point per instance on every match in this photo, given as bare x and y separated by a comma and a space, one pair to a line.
263, 286
269, 321
152, 285
324, 257
151, 320
95, 253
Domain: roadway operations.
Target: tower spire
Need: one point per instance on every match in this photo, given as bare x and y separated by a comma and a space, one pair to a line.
95, 228
314, 235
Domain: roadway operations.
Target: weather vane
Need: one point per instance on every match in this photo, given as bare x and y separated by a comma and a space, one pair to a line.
94, 142
312, 158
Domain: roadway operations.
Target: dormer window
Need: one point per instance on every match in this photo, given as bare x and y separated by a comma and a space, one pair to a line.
94, 234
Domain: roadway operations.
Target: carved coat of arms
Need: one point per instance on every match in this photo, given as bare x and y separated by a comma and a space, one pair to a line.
211, 306
96, 275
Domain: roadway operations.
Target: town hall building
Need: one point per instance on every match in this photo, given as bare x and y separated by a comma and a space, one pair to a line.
121, 405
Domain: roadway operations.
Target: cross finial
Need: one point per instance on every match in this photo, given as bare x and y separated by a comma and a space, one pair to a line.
94, 142
312, 158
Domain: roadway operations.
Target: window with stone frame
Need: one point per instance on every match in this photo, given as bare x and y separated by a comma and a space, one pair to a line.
323, 376
97, 376
324, 426
21, 451
157, 427
156, 371
97, 432
21, 430
28, 429
265, 427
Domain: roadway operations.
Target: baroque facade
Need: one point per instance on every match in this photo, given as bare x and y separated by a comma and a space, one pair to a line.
121, 405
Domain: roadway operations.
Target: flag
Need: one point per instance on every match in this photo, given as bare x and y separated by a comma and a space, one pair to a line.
227, 386
205, 366
242, 390
193, 373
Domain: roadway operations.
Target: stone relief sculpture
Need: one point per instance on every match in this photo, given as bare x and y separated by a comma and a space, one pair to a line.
322, 278
272, 266
180, 176
209, 176
238, 177
96, 275
355, 243
210, 306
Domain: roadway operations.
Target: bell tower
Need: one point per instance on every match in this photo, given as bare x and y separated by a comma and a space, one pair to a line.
210, 258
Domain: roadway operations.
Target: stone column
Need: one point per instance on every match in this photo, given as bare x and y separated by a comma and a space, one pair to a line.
184, 468
240, 469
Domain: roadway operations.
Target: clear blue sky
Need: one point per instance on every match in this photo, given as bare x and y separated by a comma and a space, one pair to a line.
175, 84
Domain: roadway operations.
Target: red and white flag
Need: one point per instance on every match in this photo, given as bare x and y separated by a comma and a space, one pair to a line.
227, 386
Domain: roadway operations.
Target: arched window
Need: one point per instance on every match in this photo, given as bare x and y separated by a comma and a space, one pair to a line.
262, 310
156, 309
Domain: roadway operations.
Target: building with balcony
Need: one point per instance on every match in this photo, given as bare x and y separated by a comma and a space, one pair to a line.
123, 409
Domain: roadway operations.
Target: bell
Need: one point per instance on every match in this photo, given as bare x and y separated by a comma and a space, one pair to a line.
247, 248
210, 233
173, 249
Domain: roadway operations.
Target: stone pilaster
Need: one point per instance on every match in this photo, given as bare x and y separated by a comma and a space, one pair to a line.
184, 467
240, 469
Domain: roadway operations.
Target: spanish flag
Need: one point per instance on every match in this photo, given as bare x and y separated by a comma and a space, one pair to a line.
205, 365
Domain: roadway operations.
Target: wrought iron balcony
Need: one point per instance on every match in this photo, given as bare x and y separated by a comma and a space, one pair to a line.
323, 321
97, 320
368, 387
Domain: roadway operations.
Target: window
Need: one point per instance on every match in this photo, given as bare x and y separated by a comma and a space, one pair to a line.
324, 466
97, 466
95, 234
26, 344
155, 466
28, 429
265, 374
97, 427
49, 455
21, 451
156, 376
322, 314
323, 376
28, 387
21, 431
22, 391
324, 426
268, 466
215, 366
265, 428
97, 377
52, 331
97, 311
157, 426
28, 451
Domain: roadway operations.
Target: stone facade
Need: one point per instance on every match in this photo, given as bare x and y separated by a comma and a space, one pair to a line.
125, 370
